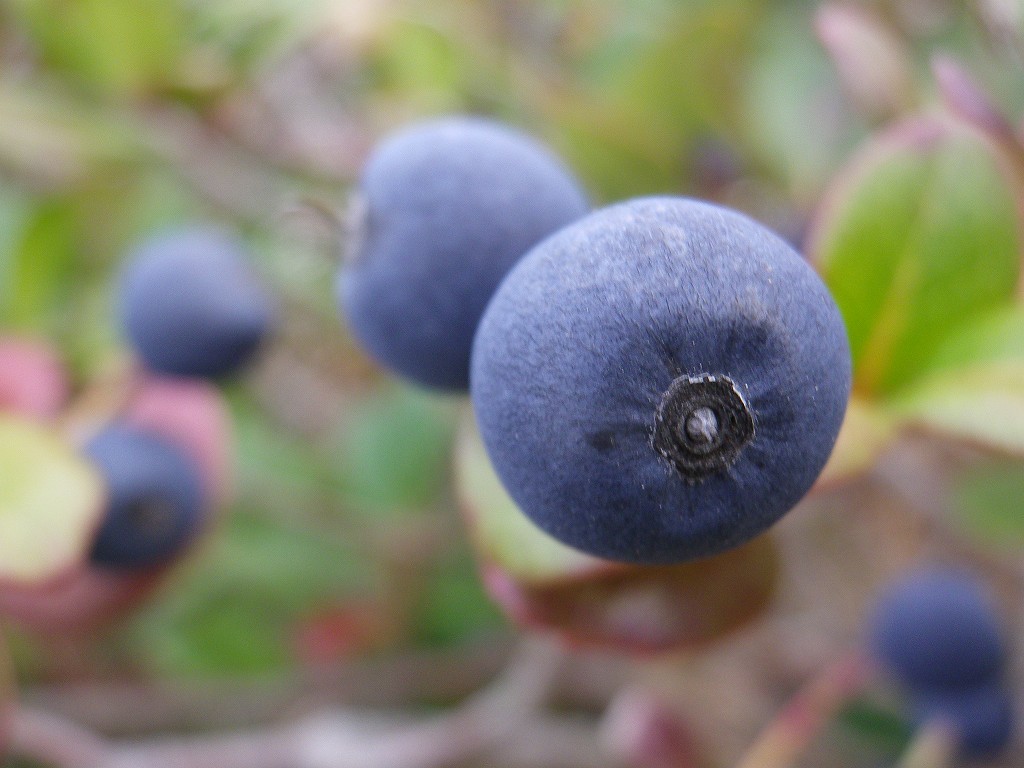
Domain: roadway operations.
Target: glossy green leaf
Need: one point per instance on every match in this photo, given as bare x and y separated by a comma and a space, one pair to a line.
51, 502
918, 237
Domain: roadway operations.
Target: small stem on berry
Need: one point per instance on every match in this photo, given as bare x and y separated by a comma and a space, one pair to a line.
702, 424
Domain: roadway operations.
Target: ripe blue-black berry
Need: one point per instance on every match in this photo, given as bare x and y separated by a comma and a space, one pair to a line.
660, 381
155, 500
982, 718
937, 629
190, 304
443, 211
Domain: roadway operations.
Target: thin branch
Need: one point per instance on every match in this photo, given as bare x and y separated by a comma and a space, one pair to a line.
789, 735
332, 738
52, 740
586, 680
137, 708
934, 746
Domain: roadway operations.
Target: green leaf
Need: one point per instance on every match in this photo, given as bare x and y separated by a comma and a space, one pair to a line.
795, 118
455, 607
117, 45
51, 502
262, 574
975, 387
982, 404
672, 79
702, 47
394, 450
919, 237
877, 725
997, 337
41, 266
988, 502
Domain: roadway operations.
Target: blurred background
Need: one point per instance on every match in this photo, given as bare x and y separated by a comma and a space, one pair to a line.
342, 571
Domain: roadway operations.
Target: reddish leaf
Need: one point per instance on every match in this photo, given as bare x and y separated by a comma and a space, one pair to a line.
193, 414
32, 379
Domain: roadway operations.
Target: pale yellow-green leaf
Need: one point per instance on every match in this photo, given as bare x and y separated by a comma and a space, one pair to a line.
983, 404
51, 501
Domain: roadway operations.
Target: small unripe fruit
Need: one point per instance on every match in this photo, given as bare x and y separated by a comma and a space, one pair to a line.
443, 211
660, 381
191, 305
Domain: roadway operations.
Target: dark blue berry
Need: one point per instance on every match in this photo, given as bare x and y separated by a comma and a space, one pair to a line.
443, 211
982, 718
937, 629
155, 499
191, 305
660, 381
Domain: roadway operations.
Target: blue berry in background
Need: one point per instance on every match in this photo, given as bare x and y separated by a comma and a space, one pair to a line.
660, 381
937, 629
191, 305
155, 500
982, 717
443, 211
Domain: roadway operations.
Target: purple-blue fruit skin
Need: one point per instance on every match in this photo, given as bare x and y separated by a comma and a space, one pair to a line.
587, 333
983, 717
445, 208
155, 502
936, 628
191, 305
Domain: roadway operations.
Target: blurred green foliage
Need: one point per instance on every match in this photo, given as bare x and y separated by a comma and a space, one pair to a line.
120, 116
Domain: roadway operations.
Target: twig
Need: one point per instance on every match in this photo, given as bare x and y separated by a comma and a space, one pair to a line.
933, 746
786, 738
135, 708
584, 680
53, 740
332, 738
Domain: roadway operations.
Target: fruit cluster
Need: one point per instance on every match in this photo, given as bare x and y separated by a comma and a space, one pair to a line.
160, 441
938, 633
655, 381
